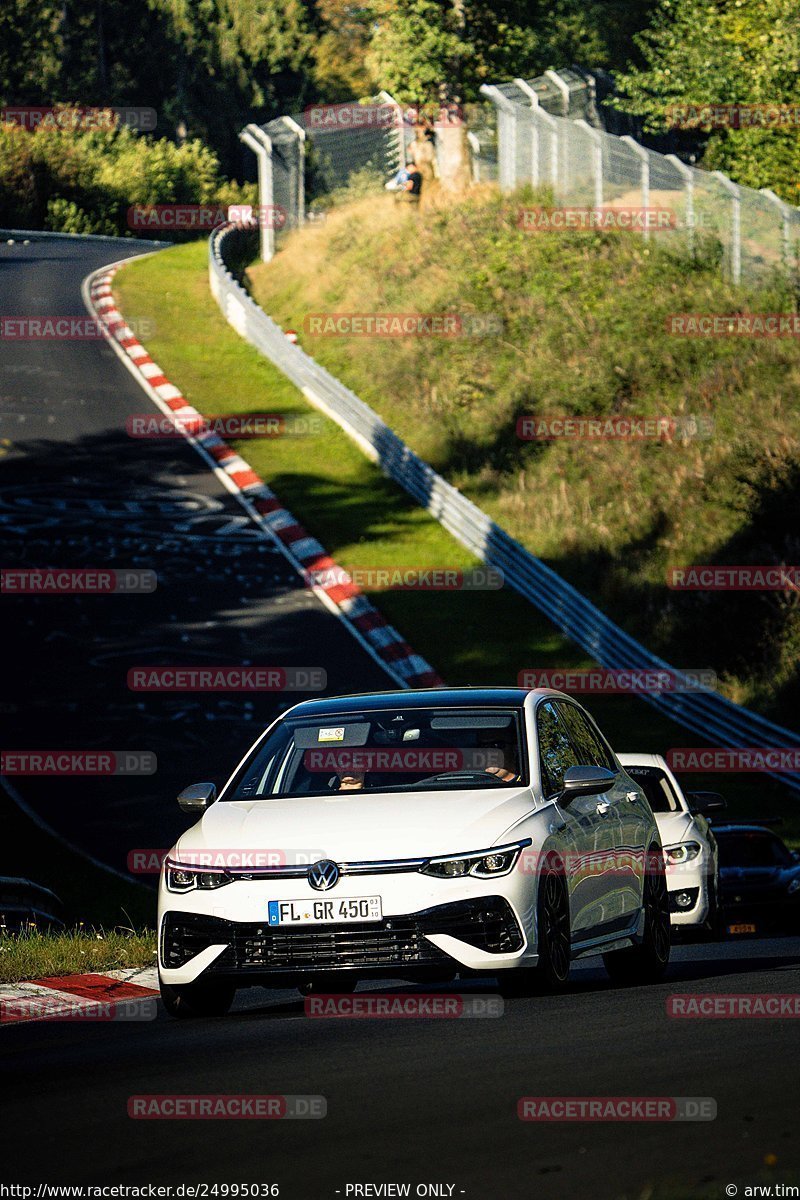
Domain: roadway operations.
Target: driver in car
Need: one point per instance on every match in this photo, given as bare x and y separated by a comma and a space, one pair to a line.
351, 781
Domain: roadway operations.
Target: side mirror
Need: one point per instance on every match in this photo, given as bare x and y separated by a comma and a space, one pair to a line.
196, 798
706, 802
586, 781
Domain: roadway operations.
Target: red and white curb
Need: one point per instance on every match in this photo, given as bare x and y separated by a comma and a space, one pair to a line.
115, 996
306, 554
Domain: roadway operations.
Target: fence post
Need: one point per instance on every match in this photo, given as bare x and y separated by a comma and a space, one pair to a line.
783, 209
563, 88
553, 126
736, 223
258, 141
526, 89
300, 133
475, 148
389, 99
641, 154
688, 179
597, 160
506, 136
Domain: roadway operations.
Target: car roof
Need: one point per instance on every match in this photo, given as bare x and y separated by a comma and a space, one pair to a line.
492, 697
632, 759
734, 827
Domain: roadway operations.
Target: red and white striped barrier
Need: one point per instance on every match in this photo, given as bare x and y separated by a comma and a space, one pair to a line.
116, 996
306, 554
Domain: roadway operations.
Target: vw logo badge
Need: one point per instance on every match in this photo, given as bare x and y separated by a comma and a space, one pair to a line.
323, 875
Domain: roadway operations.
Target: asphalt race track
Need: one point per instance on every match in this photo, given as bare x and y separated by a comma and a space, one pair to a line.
409, 1101
423, 1100
77, 491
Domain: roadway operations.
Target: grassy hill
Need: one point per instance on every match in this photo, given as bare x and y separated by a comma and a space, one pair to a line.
584, 333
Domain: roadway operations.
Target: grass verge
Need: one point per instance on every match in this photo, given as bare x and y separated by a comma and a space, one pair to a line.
584, 333
35, 955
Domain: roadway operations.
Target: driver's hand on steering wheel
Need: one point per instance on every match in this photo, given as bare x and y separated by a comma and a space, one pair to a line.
502, 773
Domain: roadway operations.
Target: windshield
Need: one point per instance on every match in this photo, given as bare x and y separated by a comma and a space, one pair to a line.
752, 850
657, 787
391, 750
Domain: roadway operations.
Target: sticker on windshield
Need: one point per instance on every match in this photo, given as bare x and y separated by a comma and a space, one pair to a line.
333, 734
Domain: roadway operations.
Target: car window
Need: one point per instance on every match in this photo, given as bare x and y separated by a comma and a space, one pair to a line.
656, 786
426, 749
590, 750
752, 850
556, 751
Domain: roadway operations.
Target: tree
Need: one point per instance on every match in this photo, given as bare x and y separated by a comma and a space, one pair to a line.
343, 33
731, 52
422, 50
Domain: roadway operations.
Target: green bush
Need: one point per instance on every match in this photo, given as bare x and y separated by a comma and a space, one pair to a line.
85, 181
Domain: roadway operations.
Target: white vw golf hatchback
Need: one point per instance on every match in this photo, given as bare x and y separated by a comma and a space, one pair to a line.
418, 835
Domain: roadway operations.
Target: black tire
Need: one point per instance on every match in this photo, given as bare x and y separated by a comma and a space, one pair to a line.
206, 998
712, 926
648, 962
554, 938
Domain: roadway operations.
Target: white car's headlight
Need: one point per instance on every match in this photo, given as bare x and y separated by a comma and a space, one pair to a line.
483, 864
683, 852
186, 879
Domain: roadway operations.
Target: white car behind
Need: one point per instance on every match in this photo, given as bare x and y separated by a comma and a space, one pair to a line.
690, 849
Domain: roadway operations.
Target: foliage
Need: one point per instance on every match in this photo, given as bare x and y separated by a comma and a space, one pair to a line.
84, 181
424, 48
729, 52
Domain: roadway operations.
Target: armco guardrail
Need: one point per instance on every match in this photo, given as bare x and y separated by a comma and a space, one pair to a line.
721, 721
24, 903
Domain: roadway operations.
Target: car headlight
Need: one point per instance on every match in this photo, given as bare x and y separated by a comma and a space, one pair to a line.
683, 852
794, 886
185, 879
483, 864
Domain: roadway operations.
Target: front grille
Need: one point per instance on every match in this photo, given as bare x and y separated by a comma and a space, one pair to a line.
390, 943
394, 942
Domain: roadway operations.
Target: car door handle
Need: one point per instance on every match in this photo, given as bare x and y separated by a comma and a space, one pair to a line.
603, 807
631, 797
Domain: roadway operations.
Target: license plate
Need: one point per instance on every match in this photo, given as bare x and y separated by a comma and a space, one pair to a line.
741, 929
324, 912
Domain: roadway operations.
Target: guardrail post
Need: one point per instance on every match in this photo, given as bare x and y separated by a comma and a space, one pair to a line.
597, 159
688, 179
258, 141
736, 223
641, 154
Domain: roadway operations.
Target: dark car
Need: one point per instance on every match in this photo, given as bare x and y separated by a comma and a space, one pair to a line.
759, 881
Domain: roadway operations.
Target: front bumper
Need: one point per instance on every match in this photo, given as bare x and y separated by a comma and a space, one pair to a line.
476, 934
694, 882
